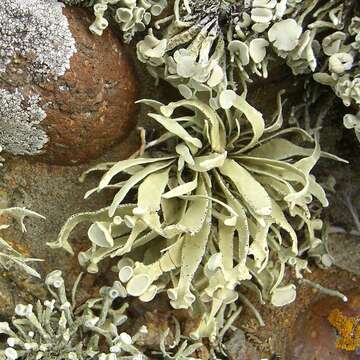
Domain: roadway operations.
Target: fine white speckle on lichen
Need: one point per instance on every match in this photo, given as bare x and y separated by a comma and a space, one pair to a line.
38, 31
20, 117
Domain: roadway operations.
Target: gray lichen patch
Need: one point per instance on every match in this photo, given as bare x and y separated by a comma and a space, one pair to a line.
37, 31
20, 116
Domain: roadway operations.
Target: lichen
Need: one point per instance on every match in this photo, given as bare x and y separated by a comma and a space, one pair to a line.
9, 256
132, 15
218, 200
215, 199
37, 31
222, 199
20, 118
219, 44
348, 329
209, 45
59, 328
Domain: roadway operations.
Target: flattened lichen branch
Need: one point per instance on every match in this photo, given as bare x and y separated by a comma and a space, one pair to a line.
219, 195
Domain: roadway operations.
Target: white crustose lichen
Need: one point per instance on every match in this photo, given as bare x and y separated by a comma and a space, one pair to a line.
38, 31
20, 117
35, 35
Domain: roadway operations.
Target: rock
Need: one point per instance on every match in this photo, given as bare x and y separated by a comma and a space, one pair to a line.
344, 250
71, 104
326, 329
157, 317
6, 300
239, 348
55, 192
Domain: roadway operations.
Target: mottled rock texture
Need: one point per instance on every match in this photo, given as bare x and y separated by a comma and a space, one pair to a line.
83, 107
36, 45
55, 192
314, 336
92, 106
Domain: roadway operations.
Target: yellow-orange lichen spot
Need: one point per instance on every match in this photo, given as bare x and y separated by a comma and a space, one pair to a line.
348, 329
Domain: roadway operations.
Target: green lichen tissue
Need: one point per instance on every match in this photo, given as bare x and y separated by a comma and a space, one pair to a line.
224, 197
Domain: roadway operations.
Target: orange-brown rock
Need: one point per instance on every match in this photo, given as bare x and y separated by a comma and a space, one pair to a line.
327, 330
88, 108
92, 106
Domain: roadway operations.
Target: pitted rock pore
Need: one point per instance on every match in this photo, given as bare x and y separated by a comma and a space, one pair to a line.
86, 102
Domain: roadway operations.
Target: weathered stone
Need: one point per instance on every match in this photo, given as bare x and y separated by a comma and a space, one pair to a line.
6, 299
70, 117
239, 348
92, 106
55, 192
322, 331
157, 317
344, 250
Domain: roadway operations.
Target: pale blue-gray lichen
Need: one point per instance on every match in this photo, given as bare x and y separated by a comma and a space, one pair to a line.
38, 31
20, 119
36, 44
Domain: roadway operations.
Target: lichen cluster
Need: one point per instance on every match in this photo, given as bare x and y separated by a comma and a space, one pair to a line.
218, 200
40, 36
9, 256
341, 54
210, 45
223, 199
36, 46
20, 116
59, 328
132, 15
348, 329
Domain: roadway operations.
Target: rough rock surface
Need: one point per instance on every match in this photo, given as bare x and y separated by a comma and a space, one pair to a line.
55, 192
92, 106
315, 338
66, 117
239, 348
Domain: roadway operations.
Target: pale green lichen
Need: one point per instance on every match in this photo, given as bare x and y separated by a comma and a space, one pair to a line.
210, 45
340, 54
9, 257
220, 196
210, 209
223, 198
132, 15
60, 329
